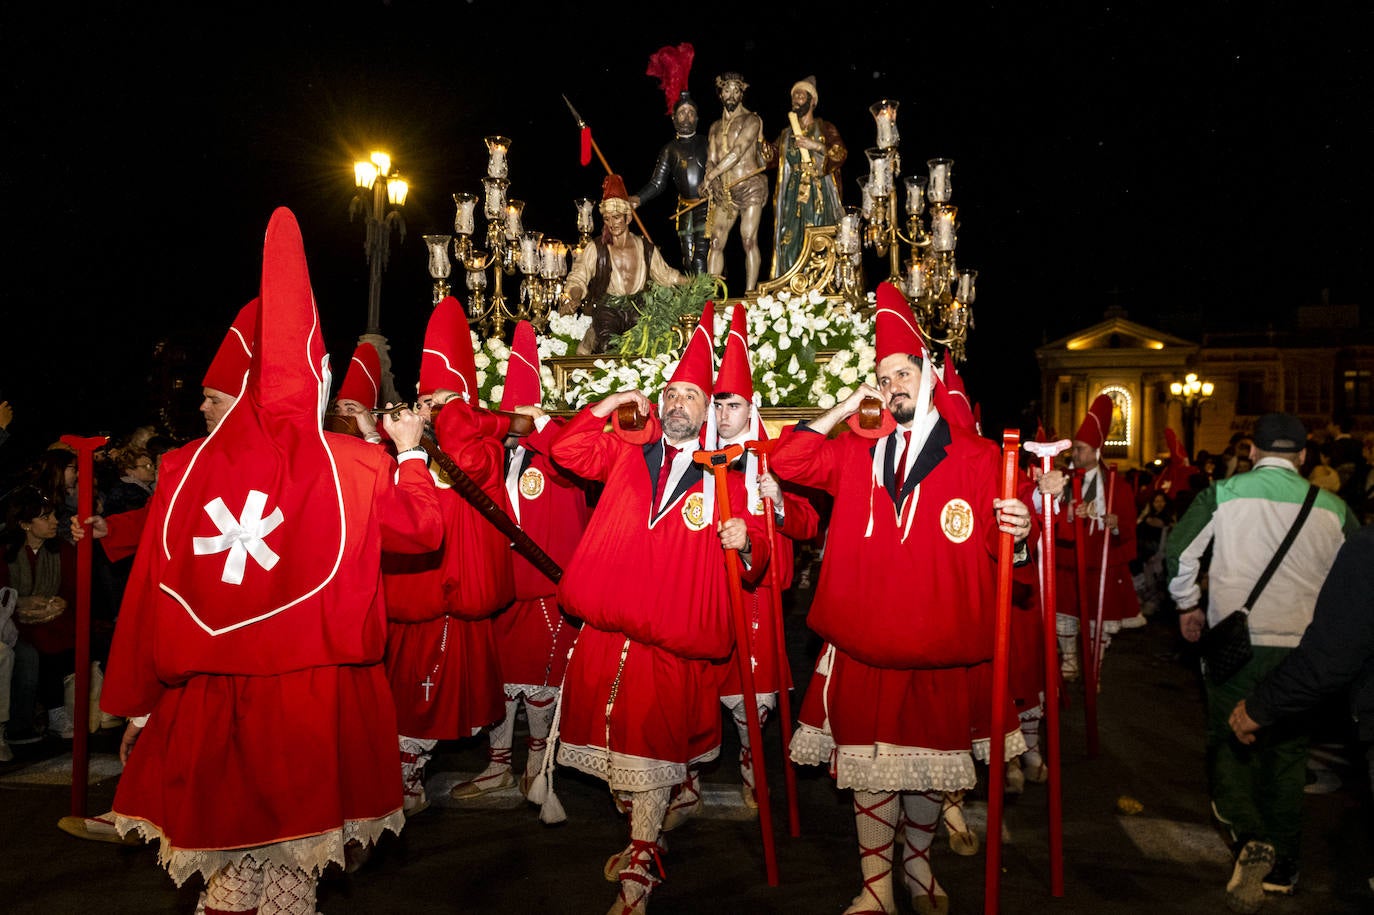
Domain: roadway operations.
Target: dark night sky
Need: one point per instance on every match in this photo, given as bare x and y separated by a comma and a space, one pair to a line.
1196, 164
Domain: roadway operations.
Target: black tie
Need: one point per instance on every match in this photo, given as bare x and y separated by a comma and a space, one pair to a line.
1090, 494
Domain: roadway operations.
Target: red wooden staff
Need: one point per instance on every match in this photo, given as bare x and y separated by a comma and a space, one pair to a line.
762, 449
1048, 586
1102, 580
81, 713
1080, 550
718, 462
992, 876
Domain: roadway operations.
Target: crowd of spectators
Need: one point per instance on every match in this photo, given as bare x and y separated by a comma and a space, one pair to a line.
38, 560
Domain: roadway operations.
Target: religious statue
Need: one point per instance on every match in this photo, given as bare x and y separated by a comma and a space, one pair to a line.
734, 177
684, 160
618, 264
808, 155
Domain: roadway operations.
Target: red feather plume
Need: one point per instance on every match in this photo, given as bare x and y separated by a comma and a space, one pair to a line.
671, 65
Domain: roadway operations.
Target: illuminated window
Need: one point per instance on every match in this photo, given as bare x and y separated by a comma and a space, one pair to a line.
1120, 432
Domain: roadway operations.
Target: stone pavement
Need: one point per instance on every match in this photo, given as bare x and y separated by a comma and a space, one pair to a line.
495, 856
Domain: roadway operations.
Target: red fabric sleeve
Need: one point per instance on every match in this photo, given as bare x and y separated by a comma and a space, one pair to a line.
807, 458
584, 448
125, 530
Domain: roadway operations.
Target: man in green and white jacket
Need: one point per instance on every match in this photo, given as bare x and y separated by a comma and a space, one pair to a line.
1257, 790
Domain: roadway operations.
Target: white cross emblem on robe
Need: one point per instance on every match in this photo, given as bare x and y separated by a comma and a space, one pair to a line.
241, 537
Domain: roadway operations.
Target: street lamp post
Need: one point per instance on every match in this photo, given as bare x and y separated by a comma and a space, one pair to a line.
379, 186
1192, 393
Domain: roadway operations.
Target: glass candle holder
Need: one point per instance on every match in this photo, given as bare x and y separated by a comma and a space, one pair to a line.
915, 279
529, 252
866, 198
879, 171
586, 208
477, 279
940, 172
942, 227
967, 291
847, 240
553, 259
885, 115
915, 194
439, 265
513, 224
497, 147
494, 198
465, 220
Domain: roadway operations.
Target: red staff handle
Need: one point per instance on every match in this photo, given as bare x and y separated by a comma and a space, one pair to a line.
776, 585
1050, 647
81, 712
1102, 580
1080, 550
718, 462
992, 876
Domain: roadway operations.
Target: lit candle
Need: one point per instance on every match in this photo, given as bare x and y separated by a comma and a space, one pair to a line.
477, 279
942, 227
847, 233
940, 171
885, 114
496, 156
915, 195
879, 171
494, 200
465, 221
967, 291
529, 252
867, 198
585, 208
915, 279
513, 226
439, 266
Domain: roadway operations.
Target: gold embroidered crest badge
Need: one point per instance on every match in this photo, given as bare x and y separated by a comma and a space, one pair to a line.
694, 511
531, 483
956, 520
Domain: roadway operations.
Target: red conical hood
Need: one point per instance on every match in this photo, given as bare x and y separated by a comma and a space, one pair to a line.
363, 382
523, 387
735, 375
255, 525
1094, 428
697, 365
228, 371
895, 325
447, 361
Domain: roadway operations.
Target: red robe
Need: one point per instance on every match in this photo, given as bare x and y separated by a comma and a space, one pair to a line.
896, 702
279, 731
1120, 600
441, 655
532, 635
652, 592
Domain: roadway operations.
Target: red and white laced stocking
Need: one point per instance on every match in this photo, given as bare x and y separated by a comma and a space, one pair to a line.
686, 796
875, 820
287, 891
234, 888
415, 754
642, 857
1030, 731
539, 713
499, 740
920, 816
746, 755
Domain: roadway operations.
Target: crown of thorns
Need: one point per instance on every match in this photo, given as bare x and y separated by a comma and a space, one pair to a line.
732, 77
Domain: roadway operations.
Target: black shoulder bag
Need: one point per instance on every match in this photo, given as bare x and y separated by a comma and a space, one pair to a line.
1226, 646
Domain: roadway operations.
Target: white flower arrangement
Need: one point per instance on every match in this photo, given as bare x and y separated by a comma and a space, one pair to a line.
783, 327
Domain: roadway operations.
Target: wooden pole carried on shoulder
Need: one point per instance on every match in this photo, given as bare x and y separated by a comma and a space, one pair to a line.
992, 875
718, 464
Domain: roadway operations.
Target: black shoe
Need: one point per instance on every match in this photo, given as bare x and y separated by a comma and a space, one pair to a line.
18, 737
1282, 877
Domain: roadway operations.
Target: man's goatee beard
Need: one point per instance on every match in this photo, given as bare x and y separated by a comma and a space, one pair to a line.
905, 413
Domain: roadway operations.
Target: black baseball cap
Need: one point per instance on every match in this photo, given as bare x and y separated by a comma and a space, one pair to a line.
1282, 432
